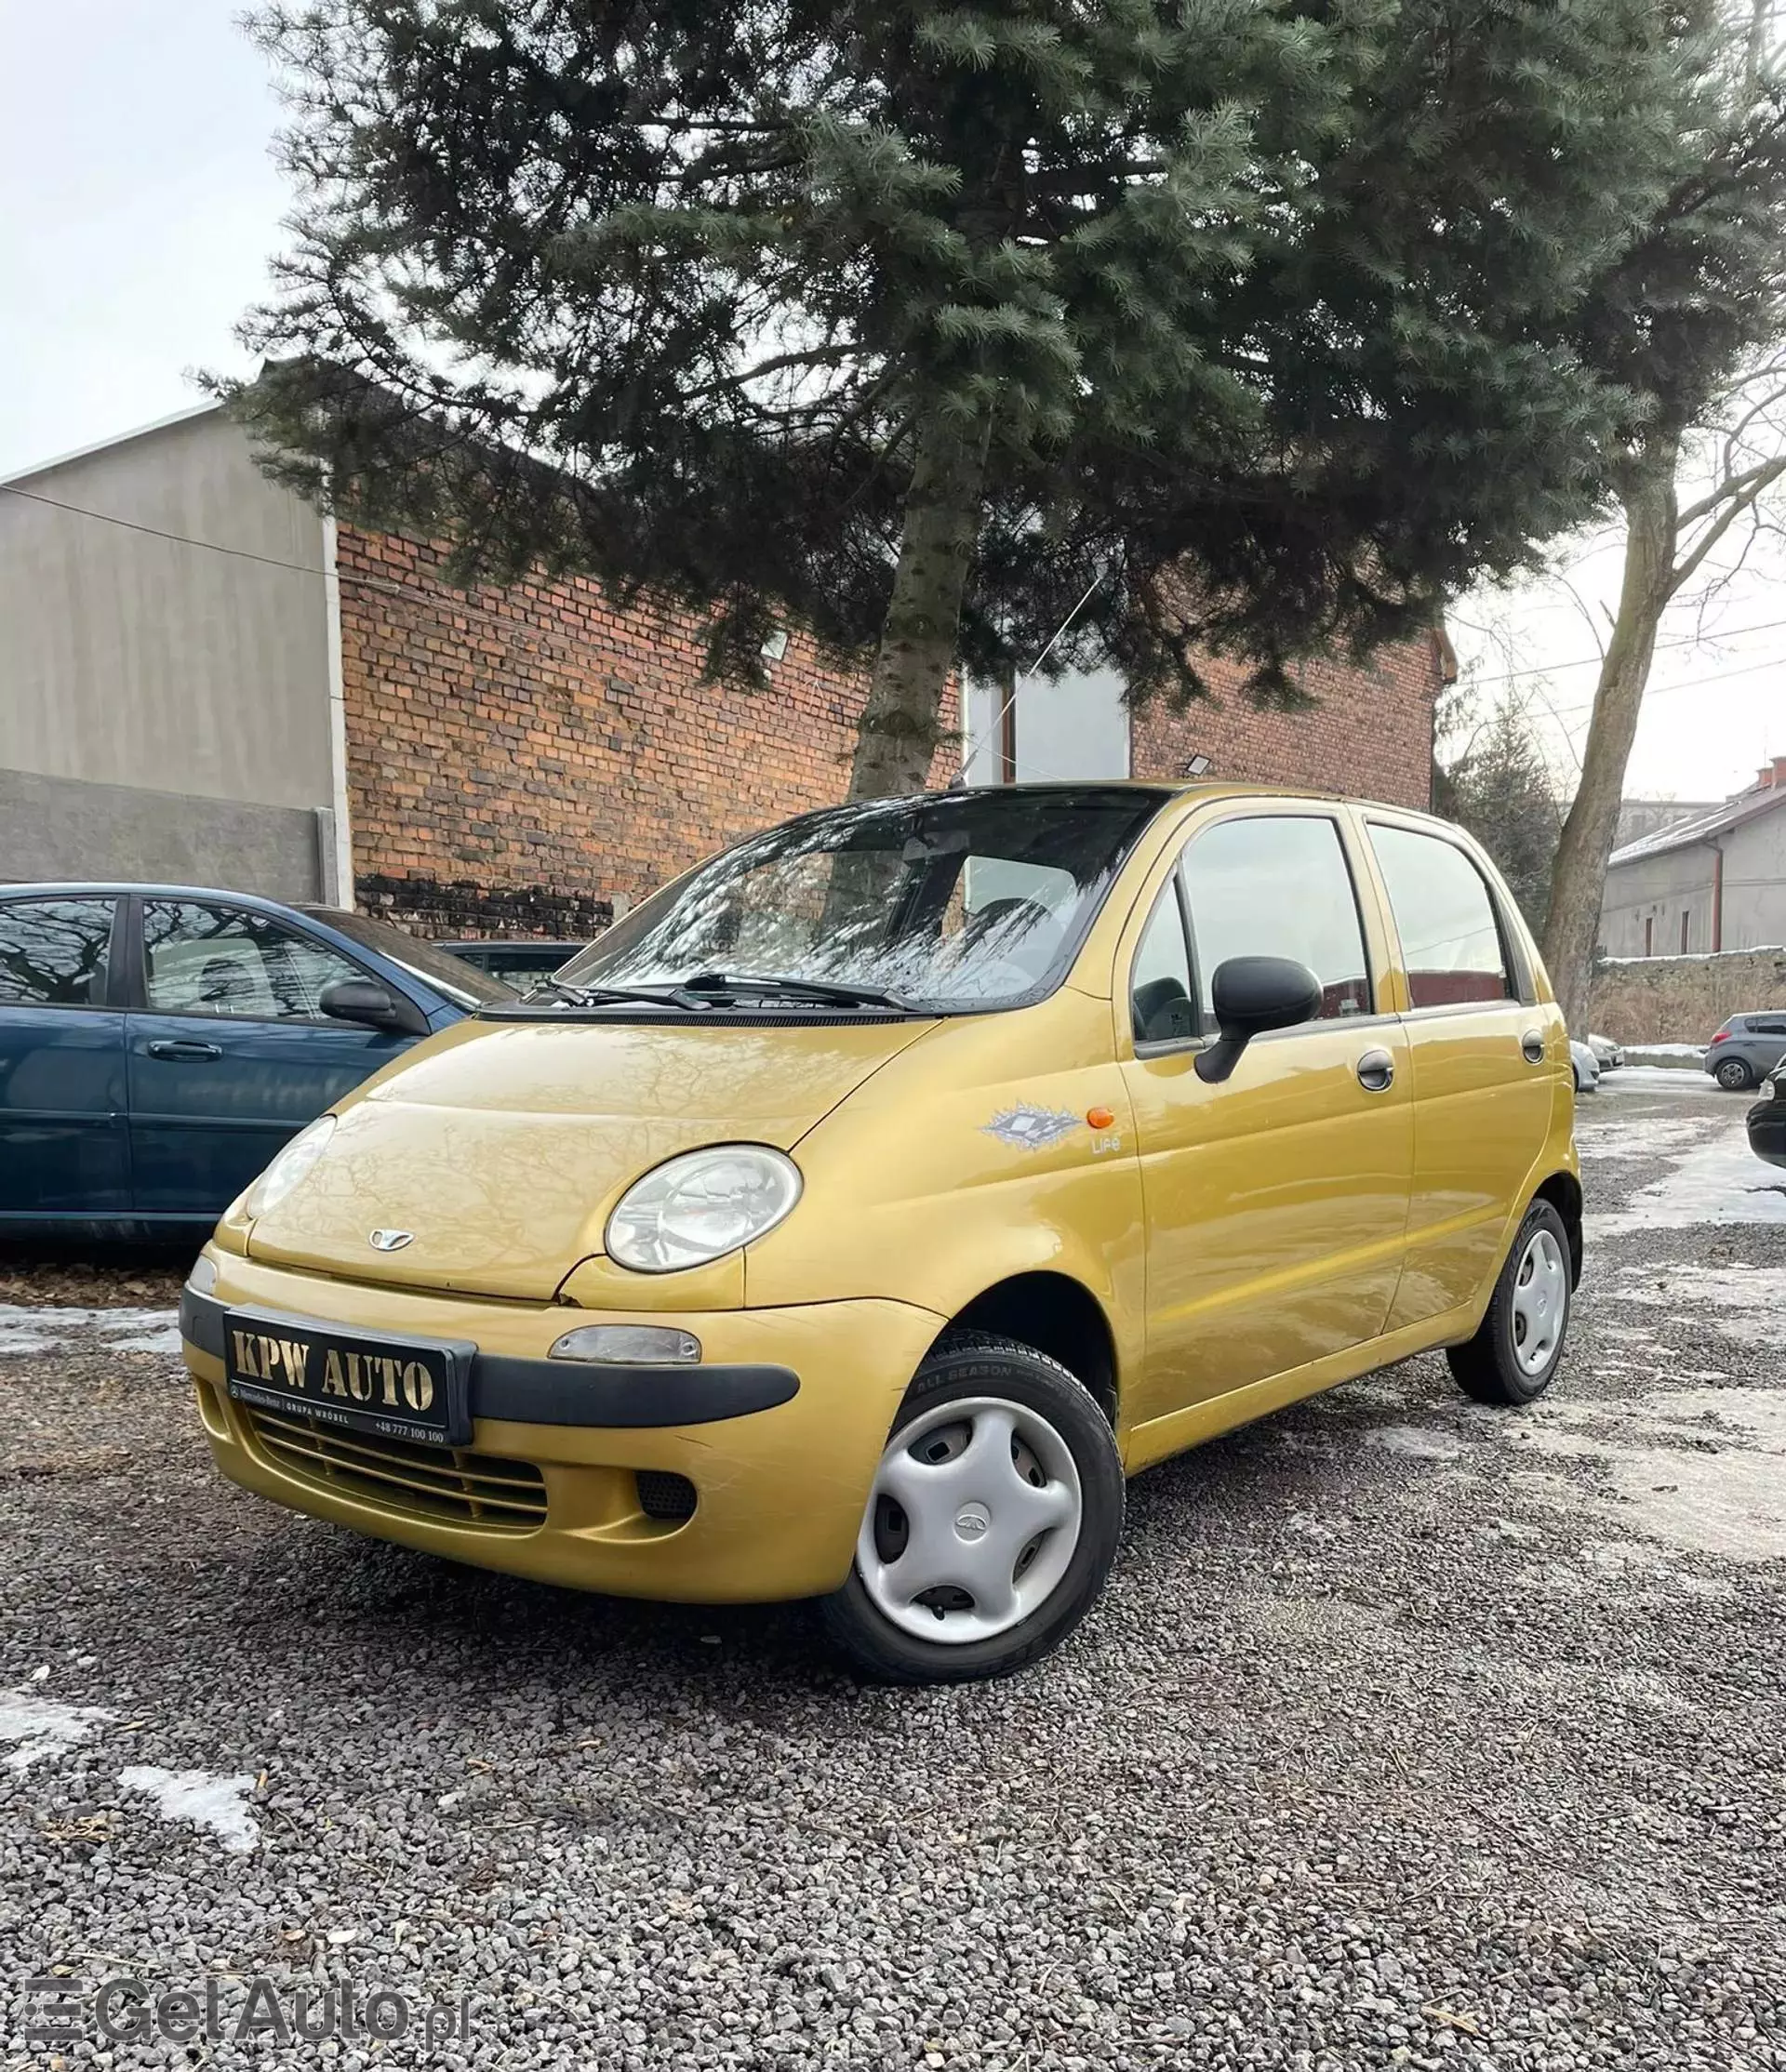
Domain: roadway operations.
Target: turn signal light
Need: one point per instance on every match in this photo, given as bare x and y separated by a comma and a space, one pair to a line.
1100, 1118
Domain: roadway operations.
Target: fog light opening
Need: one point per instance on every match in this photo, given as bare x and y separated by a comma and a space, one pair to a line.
664, 1496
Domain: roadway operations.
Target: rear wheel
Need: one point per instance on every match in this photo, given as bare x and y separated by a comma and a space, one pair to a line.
991, 1524
1513, 1356
1733, 1075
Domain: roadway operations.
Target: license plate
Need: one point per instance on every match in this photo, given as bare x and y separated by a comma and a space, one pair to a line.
415, 1388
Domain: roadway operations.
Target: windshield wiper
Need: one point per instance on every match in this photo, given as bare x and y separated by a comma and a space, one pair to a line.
603, 996
715, 984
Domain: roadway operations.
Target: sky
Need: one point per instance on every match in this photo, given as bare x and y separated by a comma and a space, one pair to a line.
140, 205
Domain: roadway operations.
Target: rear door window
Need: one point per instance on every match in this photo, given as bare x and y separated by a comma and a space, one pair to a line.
1452, 949
1277, 885
53, 952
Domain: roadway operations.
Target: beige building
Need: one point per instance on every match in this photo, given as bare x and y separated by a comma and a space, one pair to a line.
1714, 882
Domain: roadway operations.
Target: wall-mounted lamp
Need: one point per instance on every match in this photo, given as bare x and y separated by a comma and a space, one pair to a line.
776, 645
1196, 766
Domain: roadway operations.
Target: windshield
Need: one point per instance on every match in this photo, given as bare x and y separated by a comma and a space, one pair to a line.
437, 967
970, 899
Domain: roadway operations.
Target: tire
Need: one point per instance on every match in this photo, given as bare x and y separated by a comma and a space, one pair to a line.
1493, 1366
1734, 1076
1059, 1472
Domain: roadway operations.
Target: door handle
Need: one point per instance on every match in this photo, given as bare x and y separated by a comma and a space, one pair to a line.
1376, 1069
187, 1053
1531, 1047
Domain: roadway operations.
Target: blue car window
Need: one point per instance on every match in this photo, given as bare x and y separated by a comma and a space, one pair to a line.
205, 960
53, 952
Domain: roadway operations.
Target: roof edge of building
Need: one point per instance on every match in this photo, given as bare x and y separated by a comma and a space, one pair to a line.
105, 446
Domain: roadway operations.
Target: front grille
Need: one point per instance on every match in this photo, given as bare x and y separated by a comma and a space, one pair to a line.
459, 1488
665, 1496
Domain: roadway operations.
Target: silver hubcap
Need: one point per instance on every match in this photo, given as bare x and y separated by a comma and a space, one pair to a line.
972, 1521
1540, 1303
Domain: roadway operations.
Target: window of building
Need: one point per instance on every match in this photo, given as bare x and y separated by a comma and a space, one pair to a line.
1277, 886
1649, 935
53, 952
205, 960
1682, 935
1451, 945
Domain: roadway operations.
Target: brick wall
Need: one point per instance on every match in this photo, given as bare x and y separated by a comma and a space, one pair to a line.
522, 760
528, 759
1368, 735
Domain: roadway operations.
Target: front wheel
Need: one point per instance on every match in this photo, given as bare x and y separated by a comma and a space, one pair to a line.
1733, 1075
993, 1520
1513, 1356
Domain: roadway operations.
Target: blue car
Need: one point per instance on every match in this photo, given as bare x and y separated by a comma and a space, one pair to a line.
159, 1044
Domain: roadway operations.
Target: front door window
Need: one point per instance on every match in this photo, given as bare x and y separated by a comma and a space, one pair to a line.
206, 960
1278, 886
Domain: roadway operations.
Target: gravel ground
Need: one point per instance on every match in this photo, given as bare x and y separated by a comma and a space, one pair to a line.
1408, 1734
62, 1275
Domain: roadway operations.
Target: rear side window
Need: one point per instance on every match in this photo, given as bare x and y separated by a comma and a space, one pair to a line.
1278, 886
1451, 944
53, 951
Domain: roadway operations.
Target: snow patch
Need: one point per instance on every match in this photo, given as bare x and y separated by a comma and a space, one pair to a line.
1747, 1304
206, 1800
1703, 1470
47, 1330
1615, 1137
1721, 1183
39, 1727
1416, 1443
1683, 1078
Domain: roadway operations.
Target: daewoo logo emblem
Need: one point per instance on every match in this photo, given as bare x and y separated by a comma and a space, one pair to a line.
390, 1240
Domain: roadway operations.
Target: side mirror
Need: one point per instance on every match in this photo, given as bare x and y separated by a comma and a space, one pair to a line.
362, 1001
1250, 995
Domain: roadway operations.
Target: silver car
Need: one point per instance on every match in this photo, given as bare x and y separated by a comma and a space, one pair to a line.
1744, 1050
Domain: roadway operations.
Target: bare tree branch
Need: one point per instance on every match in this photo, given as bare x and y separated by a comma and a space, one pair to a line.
1759, 479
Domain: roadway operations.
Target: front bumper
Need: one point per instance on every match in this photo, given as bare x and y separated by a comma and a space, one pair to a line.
778, 1431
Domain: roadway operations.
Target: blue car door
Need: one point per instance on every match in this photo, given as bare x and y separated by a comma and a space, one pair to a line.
230, 1053
62, 1143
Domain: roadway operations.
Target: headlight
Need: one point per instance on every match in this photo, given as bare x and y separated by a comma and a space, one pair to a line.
290, 1167
701, 1206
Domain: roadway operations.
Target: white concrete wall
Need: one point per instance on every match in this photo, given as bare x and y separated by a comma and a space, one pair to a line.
163, 649
1755, 882
1073, 729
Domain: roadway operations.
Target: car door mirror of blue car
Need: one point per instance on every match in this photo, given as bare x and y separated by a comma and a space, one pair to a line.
1251, 995
368, 1003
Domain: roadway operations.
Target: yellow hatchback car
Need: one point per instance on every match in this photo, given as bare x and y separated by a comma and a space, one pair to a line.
855, 1215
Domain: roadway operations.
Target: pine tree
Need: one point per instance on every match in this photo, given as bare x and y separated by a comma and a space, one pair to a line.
1501, 789
912, 319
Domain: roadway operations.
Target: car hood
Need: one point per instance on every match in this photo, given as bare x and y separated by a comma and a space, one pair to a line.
503, 1147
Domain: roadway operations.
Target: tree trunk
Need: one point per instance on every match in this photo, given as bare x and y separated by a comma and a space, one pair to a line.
1571, 928
899, 732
